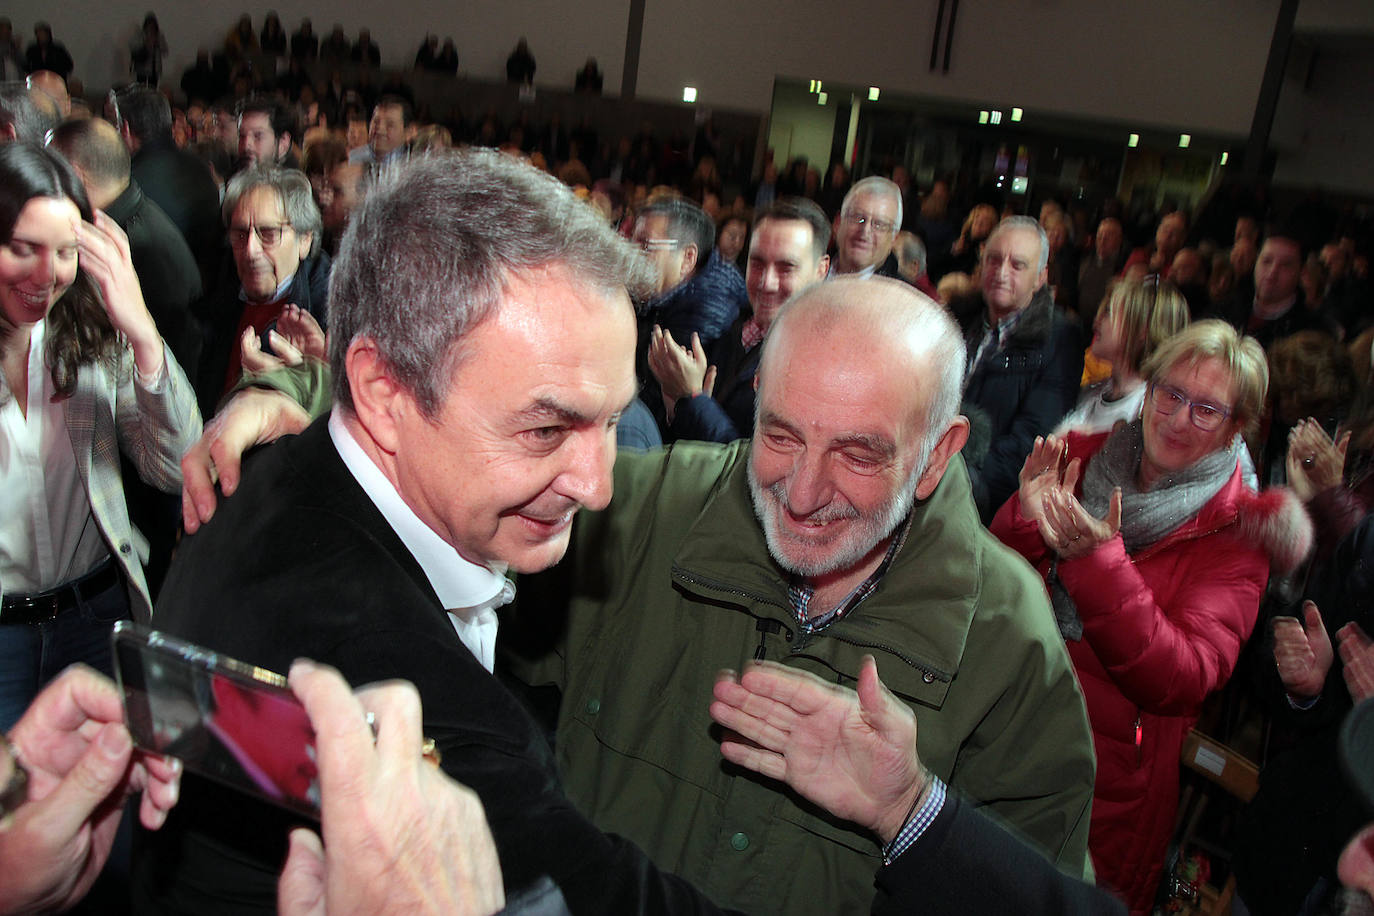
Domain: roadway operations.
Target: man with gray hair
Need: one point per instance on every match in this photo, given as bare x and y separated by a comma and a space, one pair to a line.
482, 343
865, 229
20, 116
1025, 359
844, 528
275, 233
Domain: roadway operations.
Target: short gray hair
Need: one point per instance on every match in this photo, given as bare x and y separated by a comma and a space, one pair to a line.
875, 184
292, 189
19, 111
911, 248
1030, 224
426, 258
923, 324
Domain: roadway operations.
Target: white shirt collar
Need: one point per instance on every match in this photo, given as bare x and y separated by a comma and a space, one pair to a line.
468, 591
280, 293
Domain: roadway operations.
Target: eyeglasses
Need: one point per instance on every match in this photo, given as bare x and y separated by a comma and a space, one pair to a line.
1167, 400
880, 226
268, 236
649, 246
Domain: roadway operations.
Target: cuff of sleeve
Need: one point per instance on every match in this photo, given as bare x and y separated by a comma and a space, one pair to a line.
917, 823
158, 383
1301, 704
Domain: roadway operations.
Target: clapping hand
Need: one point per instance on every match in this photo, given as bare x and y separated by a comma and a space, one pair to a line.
1302, 652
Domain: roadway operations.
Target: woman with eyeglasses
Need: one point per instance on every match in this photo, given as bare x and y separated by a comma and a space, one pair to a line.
1156, 553
86, 375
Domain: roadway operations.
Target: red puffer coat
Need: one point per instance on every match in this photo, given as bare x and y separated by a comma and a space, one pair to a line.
1161, 630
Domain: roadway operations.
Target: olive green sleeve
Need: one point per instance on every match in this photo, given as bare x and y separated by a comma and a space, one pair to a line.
309, 384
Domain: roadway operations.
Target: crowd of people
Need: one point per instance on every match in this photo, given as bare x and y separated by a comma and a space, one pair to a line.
1057, 487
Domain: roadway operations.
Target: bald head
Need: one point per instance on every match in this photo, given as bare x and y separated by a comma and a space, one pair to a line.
900, 333
53, 86
859, 385
94, 148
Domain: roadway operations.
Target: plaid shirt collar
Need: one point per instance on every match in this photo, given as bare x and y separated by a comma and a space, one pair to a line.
751, 335
799, 593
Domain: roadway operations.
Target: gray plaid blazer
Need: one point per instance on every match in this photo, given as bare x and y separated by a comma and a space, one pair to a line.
108, 412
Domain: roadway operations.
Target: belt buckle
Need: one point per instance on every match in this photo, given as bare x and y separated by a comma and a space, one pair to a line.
33, 608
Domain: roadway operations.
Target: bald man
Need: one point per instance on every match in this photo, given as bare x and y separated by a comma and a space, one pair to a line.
845, 526
54, 87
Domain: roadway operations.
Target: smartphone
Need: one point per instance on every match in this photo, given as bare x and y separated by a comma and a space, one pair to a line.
228, 721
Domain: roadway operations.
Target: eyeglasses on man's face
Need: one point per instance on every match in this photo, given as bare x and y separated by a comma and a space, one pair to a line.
880, 226
268, 236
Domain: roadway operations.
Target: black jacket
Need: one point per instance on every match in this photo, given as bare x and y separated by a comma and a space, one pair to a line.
300, 563
1018, 392
166, 269
727, 413
181, 184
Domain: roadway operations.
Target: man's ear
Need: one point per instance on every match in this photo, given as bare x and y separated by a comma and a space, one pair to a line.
690, 255
955, 435
823, 267
283, 145
378, 401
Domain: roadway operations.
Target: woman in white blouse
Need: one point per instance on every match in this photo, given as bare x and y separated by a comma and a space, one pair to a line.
86, 374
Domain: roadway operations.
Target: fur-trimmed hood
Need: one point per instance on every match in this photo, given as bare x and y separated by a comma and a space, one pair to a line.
1277, 521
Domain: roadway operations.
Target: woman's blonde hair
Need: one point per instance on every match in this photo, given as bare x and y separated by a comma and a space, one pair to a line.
1148, 312
1243, 358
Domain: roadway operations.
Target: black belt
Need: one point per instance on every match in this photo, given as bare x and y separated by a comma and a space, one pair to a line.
22, 609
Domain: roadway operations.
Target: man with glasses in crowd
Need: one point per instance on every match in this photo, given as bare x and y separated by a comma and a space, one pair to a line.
865, 229
274, 234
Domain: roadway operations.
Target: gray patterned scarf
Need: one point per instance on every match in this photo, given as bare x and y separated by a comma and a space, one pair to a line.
1147, 516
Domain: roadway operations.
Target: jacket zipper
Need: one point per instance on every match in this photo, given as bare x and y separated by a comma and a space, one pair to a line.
1139, 741
928, 674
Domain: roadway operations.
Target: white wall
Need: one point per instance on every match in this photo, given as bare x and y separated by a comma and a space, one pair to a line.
1171, 63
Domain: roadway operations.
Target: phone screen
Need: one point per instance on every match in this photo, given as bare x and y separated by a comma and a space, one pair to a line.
228, 721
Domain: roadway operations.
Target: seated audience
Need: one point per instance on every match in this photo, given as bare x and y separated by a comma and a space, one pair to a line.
1158, 257
1097, 270
1156, 563
911, 262
1273, 307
